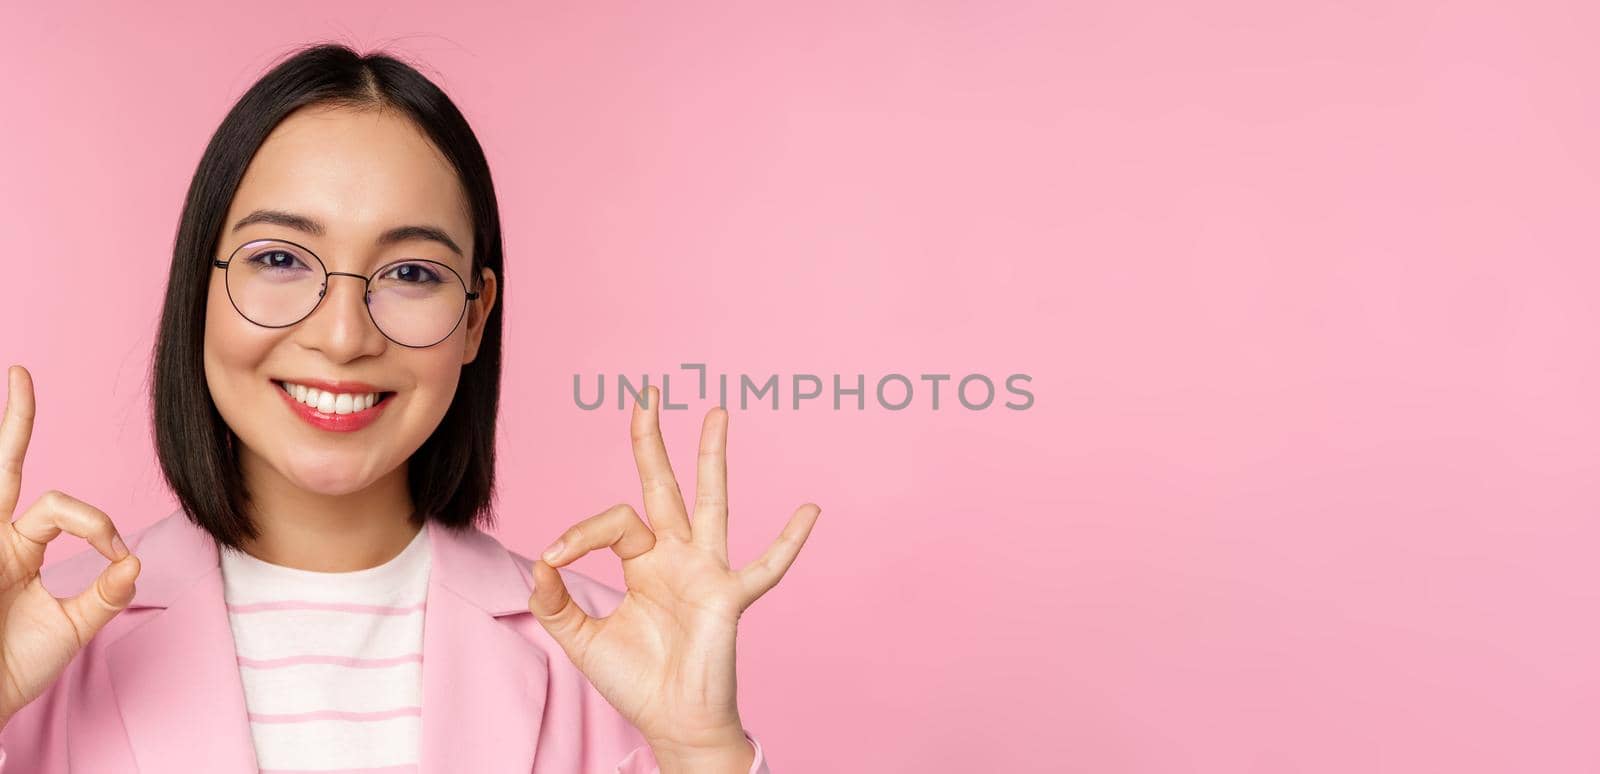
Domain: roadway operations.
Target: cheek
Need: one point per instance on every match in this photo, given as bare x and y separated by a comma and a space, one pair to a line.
437, 377
233, 349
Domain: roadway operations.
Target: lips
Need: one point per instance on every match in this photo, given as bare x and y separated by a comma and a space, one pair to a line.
360, 403
331, 385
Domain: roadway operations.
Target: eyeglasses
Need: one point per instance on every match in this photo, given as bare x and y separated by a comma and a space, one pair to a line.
414, 302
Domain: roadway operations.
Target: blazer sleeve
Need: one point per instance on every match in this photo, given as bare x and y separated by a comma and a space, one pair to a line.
33, 740
642, 761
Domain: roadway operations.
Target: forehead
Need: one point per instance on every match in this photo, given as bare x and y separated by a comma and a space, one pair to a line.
359, 172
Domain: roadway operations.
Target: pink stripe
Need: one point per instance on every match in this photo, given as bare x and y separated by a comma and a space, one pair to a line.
359, 663
408, 768
307, 717
341, 607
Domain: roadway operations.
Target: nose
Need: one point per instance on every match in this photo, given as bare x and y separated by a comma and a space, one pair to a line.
341, 327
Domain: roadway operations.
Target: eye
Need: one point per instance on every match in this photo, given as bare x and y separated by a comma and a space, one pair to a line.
412, 273
275, 258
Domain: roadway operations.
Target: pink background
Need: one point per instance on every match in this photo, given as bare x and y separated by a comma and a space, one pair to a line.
1306, 291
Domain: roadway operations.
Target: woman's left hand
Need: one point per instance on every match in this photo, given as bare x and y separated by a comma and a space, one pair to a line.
664, 658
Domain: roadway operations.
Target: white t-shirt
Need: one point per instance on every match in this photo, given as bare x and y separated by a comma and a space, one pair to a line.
331, 661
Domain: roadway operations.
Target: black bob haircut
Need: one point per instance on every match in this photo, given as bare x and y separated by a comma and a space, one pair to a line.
451, 476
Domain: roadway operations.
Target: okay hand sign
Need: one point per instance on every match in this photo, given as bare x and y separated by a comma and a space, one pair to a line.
40, 634
664, 658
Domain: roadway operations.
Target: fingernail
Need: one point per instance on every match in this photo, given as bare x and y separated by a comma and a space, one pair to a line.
553, 551
118, 547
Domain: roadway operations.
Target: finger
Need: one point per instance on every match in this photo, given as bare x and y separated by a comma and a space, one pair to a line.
56, 512
92, 608
663, 501
15, 431
710, 526
618, 527
566, 622
762, 574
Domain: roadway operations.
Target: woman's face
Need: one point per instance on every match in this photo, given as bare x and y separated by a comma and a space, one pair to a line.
355, 175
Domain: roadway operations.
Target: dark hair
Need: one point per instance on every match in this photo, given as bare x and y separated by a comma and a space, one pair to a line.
452, 474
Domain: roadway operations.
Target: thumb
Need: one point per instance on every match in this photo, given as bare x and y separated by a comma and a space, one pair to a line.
557, 612
111, 592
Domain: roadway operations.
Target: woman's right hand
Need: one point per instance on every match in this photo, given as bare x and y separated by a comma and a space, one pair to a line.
40, 634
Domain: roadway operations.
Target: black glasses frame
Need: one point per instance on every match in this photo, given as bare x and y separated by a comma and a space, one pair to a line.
366, 296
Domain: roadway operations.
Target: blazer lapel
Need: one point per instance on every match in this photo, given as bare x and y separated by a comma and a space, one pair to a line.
178, 689
176, 676
483, 684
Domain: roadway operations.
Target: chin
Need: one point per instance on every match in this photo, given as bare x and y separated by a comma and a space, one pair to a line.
330, 476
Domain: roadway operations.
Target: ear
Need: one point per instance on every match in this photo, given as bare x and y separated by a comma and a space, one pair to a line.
478, 313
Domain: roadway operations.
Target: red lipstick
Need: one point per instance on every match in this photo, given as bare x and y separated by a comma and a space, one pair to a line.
332, 385
339, 423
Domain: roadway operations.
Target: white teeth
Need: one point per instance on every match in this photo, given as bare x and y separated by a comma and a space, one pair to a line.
328, 402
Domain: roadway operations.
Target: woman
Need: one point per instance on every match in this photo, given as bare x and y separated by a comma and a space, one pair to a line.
325, 391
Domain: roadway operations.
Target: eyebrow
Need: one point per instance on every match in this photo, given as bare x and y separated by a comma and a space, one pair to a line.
315, 228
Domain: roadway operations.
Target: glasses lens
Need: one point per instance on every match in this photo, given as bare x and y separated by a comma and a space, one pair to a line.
274, 283
417, 303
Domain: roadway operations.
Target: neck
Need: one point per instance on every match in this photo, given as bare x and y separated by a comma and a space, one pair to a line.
327, 533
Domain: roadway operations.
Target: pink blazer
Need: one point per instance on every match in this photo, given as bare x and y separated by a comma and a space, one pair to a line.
158, 690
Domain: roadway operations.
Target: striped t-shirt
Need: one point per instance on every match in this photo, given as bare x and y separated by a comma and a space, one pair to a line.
331, 661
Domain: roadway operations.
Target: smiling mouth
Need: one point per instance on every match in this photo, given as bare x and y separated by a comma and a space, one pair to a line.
333, 402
